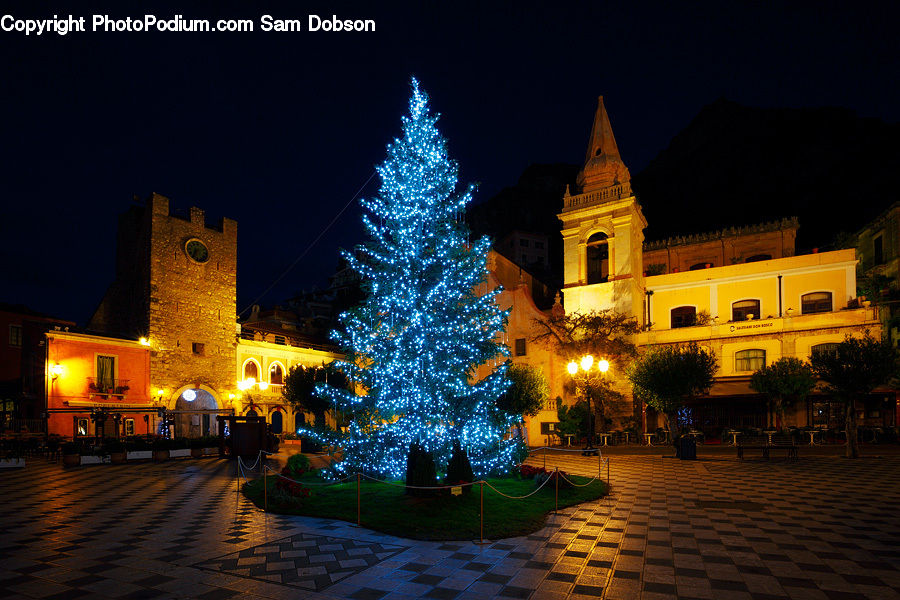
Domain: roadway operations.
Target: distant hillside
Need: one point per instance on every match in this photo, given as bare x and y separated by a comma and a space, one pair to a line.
530, 205
739, 165
732, 165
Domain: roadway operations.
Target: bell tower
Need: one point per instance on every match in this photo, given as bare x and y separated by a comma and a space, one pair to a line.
603, 230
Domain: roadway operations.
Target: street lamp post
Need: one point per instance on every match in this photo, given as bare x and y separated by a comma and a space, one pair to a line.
586, 362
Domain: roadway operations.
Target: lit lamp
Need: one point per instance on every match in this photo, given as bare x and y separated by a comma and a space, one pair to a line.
57, 370
144, 341
586, 362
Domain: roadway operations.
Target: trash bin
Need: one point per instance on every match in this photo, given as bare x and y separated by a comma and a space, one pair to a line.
687, 448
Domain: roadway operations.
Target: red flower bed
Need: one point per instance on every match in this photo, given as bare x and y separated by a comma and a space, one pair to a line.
529, 472
294, 488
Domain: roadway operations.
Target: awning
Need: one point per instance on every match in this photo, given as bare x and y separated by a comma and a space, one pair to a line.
732, 386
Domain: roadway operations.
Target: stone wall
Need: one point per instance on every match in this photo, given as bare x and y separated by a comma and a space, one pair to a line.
192, 313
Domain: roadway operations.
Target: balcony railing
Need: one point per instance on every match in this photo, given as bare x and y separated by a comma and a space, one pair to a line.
615, 192
107, 387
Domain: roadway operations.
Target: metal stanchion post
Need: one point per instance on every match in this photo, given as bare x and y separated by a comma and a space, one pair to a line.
482, 512
545, 458
265, 488
599, 464
607, 474
556, 480
357, 499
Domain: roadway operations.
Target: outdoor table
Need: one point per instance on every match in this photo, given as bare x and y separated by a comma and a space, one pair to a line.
627, 437
769, 434
734, 436
569, 437
812, 433
647, 436
605, 437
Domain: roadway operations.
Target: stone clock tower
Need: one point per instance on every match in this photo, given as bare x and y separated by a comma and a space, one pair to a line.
603, 231
176, 285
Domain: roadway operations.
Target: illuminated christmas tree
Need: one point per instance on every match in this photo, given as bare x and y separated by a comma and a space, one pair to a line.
428, 321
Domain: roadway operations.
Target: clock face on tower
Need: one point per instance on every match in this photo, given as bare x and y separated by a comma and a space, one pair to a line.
196, 250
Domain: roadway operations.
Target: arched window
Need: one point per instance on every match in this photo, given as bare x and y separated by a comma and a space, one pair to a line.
299, 420
749, 360
251, 370
276, 374
826, 348
684, 316
277, 422
759, 257
252, 413
598, 258
815, 302
742, 308
701, 265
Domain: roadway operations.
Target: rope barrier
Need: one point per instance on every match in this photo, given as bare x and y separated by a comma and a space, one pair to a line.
265, 469
420, 487
573, 484
519, 497
561, 449
309, 483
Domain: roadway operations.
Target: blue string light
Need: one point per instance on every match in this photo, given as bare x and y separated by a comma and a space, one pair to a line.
414, 346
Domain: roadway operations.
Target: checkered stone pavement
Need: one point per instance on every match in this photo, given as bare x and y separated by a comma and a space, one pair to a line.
311, 562
821, 528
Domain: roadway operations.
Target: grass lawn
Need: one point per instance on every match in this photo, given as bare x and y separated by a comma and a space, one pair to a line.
388, 509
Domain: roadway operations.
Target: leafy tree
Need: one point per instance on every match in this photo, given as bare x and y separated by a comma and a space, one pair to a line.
427, 323
665, 377
787, 379
603, 334
573, 420
855, 368
526, 395
299, 391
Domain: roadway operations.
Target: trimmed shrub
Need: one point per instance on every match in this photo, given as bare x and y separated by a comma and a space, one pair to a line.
459, 469
296, 466
138, 444
113, 446
420, 470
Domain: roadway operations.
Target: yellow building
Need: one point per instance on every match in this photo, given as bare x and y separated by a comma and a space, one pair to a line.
266, 352
739, 292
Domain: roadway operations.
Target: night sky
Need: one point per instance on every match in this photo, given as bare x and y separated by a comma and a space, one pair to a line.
279, 130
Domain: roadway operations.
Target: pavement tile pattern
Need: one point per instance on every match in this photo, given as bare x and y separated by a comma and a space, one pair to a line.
311, 562
819, 528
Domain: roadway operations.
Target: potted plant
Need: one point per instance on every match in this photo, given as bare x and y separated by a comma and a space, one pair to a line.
71, 454
12, 460
94, 455
138, 448
116, 450
180, 447
197, 447
161, 449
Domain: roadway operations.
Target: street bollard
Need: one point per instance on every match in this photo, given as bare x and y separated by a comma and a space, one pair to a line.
357, 499
265, 489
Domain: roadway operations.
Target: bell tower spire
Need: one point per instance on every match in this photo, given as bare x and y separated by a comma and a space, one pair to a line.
603, 230
603, 166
